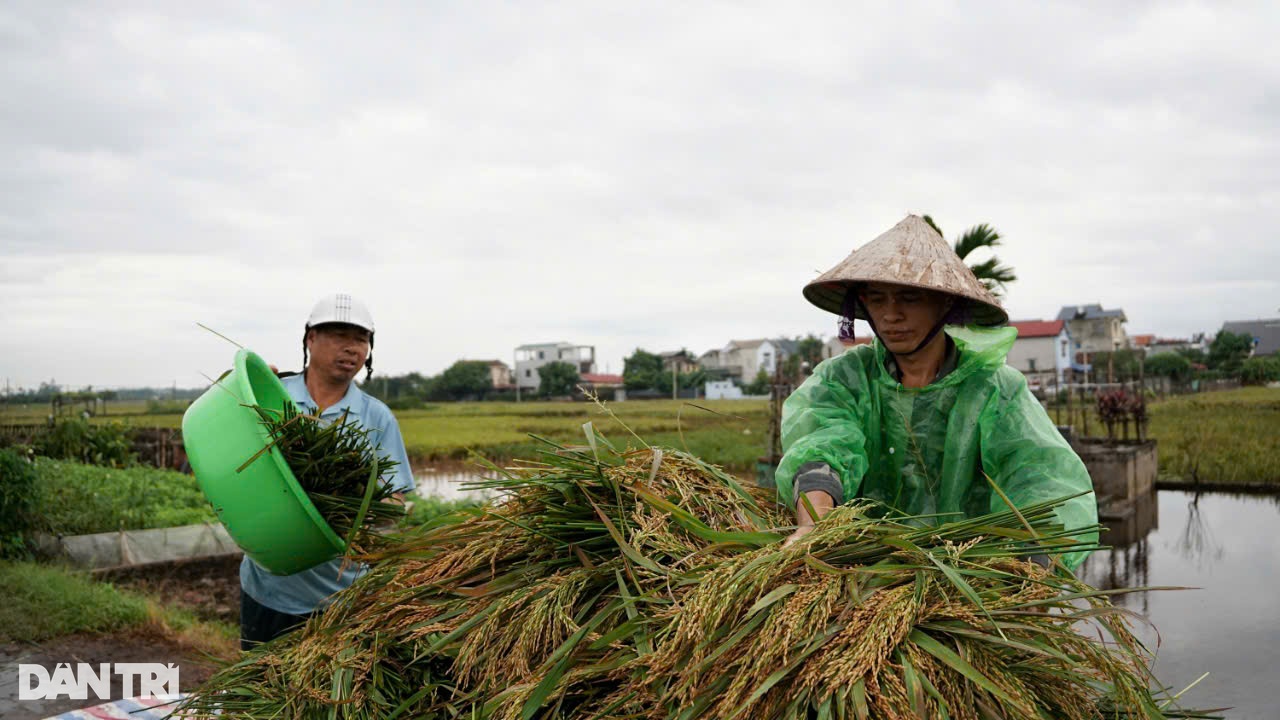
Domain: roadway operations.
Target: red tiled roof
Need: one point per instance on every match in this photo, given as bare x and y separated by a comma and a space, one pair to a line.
601, 379
1037, 328
1142, 340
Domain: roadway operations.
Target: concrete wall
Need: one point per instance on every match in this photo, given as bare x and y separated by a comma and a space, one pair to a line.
1123, 471
723, 390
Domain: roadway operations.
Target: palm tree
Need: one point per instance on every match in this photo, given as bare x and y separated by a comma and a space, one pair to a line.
992, 274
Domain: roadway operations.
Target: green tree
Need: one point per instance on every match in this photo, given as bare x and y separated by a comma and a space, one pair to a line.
694, 379
463, 379
1228, 351
759, 386
1170, 365
388, 388
557, 378
809, 349
1260, 370
992, 274
1123, 363
643, 371
1195, 356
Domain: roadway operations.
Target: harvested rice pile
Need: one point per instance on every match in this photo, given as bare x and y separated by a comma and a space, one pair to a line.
338, 467
647, 584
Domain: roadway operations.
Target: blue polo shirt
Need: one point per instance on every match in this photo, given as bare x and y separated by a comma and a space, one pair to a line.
309, 590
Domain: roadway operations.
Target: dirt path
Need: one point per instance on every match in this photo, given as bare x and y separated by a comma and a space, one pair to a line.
208, 587
144, 645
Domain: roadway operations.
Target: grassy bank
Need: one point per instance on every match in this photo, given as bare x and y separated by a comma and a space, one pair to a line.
1224, 438
45, 602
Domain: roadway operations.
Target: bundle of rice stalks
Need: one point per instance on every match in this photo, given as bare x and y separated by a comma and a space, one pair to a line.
338, 467
648, 584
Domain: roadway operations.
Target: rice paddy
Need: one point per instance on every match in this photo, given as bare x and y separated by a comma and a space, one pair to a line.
1229, 438
1226, 437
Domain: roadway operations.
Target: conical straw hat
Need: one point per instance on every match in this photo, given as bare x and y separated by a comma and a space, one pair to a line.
910, 253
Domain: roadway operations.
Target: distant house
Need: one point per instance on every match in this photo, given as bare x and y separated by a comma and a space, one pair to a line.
1141, 342
1152, 345
499, 374
1042, 351
742, 360
531, 357
602, 384
1265, 334
682, 361
1094, 330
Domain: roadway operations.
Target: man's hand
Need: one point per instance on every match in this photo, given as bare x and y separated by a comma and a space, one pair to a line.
822, 504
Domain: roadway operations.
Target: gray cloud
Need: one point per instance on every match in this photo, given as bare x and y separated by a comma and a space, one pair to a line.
491, 174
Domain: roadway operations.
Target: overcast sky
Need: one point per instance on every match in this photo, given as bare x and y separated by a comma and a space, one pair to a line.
485, 175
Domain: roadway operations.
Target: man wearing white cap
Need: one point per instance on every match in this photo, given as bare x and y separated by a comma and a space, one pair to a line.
918, 420
336, 343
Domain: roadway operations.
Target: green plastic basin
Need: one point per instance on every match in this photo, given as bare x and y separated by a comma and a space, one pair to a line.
263, 507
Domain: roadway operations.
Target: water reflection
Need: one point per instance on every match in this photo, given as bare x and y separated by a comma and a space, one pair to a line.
1197, 543
446, 481
1227, 547
1125, 565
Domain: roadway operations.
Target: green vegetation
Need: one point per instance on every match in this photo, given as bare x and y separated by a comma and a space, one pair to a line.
17, 503
76, 439
74, 499
1230, 437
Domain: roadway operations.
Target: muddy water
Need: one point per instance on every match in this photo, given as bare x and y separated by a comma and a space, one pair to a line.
446, 480
1229, 547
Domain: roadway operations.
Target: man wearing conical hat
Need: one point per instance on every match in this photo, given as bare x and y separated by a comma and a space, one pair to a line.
916, 419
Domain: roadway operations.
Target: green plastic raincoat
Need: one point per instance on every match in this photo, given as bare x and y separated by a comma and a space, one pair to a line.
923, 450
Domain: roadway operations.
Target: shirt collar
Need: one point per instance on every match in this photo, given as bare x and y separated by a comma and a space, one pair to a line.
950, 361
347, 404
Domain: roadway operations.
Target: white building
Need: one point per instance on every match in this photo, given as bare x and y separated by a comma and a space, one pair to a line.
744, 359
531, 357
722, 390
1042, 351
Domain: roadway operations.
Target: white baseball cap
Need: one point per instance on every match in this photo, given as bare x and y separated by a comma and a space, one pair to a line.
340, 308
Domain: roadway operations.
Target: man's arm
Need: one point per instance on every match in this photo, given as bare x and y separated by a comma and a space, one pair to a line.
391, 444
822, 433
822, 504
1028, 458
